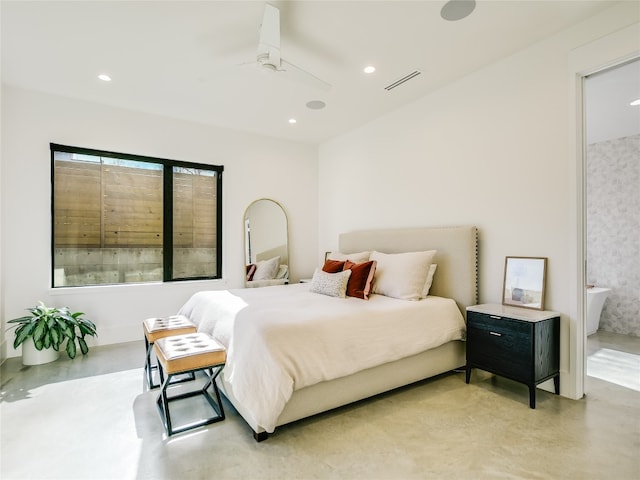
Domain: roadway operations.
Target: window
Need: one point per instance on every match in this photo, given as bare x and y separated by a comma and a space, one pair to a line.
120, 218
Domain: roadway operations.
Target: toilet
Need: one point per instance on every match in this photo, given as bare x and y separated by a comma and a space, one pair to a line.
595, 300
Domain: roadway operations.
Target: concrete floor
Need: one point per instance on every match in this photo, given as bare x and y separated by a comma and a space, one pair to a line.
92, 418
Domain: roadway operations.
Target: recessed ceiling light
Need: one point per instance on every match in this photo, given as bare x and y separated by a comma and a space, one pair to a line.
316, 104
455, 10
369, 69
635, 103
104, 77
293, 120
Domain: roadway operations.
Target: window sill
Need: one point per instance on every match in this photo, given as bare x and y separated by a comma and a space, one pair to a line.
92, 289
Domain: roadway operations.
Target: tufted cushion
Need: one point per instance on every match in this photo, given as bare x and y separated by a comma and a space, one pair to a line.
189, 352
155, 328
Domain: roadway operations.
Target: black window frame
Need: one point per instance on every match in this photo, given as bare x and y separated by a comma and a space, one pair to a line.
167, 205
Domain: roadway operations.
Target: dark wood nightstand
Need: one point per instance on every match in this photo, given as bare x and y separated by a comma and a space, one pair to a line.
516, 343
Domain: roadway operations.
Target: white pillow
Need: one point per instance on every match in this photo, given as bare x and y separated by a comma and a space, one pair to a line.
401, 275
427, 284
283, 272
332, 284
359, 257
267, 269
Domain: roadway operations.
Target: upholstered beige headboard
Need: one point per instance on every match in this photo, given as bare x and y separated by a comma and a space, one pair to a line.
280, 250
457, 256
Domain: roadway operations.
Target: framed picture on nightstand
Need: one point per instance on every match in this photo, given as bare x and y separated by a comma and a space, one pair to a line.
524, 282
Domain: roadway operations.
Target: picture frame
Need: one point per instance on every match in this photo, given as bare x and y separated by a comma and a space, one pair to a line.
524, 282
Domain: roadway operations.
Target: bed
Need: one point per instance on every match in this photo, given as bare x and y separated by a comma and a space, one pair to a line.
351, 348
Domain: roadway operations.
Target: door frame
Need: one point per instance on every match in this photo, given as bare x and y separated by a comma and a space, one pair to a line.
606, 52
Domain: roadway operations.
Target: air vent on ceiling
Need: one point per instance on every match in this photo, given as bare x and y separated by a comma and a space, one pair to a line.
402, 80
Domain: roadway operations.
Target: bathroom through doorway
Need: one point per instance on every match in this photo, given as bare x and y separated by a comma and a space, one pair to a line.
612, 202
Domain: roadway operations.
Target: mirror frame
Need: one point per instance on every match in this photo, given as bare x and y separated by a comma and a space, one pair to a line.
244, 232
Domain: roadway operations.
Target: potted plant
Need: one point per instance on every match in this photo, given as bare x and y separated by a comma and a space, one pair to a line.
48, 328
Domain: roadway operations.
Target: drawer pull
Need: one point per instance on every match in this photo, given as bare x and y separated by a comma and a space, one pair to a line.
496, 334
495, 316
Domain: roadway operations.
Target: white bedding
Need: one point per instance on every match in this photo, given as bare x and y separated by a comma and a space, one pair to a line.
283, 338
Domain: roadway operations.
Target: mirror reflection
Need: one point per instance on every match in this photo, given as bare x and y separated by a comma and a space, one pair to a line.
266, 244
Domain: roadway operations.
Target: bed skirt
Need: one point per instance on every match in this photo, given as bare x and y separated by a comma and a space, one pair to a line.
328, 395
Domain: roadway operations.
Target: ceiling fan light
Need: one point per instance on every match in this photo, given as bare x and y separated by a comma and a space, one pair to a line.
292, 121
369, 69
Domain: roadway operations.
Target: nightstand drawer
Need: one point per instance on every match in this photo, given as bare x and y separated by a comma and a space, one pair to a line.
497, 324
500, 351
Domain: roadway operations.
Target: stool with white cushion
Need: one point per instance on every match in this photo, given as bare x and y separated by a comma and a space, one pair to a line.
188, 354
157, 328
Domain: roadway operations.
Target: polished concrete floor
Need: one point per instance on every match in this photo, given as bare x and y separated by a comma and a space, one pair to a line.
91, 418
614, 358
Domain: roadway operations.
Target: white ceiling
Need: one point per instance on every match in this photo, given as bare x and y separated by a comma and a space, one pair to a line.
181, 58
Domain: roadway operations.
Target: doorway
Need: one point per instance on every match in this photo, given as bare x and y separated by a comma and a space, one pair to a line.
612, 201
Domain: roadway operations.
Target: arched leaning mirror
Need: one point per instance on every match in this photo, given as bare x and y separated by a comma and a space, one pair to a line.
266, 246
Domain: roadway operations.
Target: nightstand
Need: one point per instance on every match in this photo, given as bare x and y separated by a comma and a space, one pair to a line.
516, 343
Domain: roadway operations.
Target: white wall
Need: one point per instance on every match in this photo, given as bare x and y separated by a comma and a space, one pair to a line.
254, 168
493, 150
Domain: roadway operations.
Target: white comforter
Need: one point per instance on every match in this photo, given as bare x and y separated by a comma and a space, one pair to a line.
280, 339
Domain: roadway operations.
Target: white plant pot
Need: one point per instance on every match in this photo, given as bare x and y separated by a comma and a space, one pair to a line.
32, 356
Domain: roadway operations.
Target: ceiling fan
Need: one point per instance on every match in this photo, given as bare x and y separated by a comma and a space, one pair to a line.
268, 55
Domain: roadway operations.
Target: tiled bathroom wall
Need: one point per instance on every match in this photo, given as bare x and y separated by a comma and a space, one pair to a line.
613, 230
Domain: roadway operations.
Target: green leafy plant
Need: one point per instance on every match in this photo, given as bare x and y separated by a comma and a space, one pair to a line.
50, 327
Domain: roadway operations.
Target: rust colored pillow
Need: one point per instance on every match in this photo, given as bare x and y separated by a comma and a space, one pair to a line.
251, 269
333, 266
361, 278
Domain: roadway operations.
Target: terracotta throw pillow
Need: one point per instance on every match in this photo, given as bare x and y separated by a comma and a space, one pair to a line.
333, 266
361, 278
251, 269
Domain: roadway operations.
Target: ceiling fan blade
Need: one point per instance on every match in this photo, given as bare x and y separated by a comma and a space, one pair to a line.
268, 55
297, 74
269, 43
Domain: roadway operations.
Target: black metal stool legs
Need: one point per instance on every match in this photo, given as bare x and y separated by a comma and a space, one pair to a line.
213, 399
149, 368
